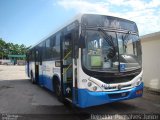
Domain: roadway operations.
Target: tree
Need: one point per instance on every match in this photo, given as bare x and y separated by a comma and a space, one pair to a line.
2, 48
10, 48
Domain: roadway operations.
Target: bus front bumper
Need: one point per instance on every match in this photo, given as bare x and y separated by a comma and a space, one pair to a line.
88, 98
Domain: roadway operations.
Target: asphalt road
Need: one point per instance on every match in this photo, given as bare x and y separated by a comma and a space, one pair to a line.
20, 99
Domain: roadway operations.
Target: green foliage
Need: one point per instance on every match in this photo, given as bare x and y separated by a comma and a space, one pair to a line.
10, 48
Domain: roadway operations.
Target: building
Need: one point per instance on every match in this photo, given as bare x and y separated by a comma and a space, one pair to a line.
151, 60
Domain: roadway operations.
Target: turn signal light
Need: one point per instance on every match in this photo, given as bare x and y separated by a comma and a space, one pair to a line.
139, 92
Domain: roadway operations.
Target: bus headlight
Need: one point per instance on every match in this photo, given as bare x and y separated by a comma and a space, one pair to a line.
89, 84
139, 81
84, 80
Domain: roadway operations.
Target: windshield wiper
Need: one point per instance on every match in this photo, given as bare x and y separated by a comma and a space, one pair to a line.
124, 38
107, 37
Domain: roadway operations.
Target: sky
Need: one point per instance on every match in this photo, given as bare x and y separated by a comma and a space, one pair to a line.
29, 21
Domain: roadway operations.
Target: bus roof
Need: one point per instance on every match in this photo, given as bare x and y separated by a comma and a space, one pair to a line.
77, 17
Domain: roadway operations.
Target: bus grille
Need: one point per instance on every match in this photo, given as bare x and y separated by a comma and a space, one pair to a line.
115, 80
114, 88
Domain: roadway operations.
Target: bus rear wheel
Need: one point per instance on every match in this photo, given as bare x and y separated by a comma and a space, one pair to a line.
32, 79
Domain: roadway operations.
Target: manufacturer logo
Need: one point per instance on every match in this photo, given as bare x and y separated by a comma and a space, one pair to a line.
105, 86
119, 87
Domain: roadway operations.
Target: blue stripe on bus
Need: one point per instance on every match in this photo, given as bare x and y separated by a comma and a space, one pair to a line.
88, 98
46, 81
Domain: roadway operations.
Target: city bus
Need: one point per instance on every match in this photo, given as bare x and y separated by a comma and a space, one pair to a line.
92, 60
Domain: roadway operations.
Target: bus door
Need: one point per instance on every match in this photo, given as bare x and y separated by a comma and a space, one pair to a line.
67, 66
36, 66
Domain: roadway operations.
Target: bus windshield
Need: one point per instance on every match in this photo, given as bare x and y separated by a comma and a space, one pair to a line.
111, 51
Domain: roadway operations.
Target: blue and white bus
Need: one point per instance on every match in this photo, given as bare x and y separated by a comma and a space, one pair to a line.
93, 60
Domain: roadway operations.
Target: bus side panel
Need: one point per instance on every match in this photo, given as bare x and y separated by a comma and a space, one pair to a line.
40, 82
49, 71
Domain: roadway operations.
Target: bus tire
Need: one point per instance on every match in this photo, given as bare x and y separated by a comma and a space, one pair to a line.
32, 78
57, 89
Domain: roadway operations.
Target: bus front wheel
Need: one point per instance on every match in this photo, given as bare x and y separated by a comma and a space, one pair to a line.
58, 92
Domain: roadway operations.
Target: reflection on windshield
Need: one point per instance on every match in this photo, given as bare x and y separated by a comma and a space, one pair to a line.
129, 51
97, 50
